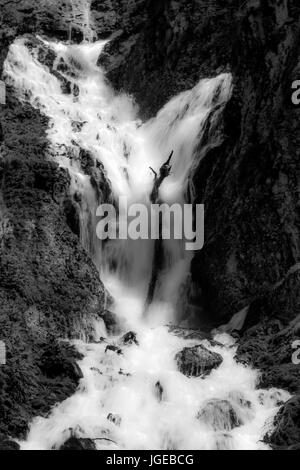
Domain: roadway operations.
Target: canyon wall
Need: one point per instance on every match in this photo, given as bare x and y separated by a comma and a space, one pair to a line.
49, 285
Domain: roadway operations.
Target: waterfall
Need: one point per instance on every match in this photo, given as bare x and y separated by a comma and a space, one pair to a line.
81, 14
138, 399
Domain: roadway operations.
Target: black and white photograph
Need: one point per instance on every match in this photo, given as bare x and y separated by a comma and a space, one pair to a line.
149, 228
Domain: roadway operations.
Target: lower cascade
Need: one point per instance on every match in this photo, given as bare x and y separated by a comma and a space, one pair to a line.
153, 385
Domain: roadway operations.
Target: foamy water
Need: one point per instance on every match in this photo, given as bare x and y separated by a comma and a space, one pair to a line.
125, 386
154, 406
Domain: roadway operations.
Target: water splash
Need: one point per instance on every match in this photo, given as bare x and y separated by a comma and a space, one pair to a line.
126, 387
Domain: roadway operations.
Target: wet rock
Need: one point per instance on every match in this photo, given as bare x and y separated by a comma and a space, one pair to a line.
219, 415
87, 160
197, 361
112, 323
116, 419
98, 371
130, 338
76, 443
287, 426
112, 347
236, 323
224, 441
272, 398
296, 329
72, 216
188, 333
239, 399
77, 126
159, 391
124, 374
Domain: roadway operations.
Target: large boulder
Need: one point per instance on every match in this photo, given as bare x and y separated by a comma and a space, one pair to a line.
197, 361
219, 415
76, 443
286, 434
130, 338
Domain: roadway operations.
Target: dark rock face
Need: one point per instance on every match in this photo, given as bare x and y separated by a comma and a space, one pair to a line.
112, 323
219, 415
53, 19
197, 361
57, 360
75, 443
249, 181
287, 427
268, 347
49, 285
47, 281
121, 16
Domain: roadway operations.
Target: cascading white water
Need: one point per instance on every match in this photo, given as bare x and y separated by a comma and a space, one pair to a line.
81, 14
148, 416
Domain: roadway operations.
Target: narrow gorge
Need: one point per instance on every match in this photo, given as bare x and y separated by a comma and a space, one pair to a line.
98, 95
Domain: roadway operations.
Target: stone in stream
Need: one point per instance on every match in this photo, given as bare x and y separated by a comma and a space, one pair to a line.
116, 419
76, 443
112, 347
239, 399
159, 391
224, 441
130, 338
219, 415
197, 361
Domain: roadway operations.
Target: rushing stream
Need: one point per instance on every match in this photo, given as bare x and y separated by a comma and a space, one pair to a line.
137, 399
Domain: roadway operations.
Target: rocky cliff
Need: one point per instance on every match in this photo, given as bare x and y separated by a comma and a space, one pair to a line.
49, 286
249, 181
